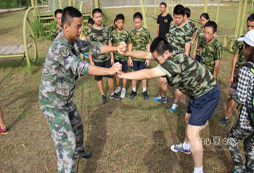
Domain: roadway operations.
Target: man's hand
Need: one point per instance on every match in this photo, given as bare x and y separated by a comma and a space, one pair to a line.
130, 63
122, 47
231, 80
83, 38
147, 62
116, 68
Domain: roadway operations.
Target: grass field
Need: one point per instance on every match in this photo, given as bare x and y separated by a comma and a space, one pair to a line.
124, 136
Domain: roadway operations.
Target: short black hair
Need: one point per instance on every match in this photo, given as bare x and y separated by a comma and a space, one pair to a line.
119, 17
68, 14
163, 3
96, 10
90, 20
160, 45
137, 15
58, 11
251, 18
205, 15
179, 10
211, 24
187, 11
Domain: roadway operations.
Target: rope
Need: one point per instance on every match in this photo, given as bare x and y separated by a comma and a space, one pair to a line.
12, 70
173, 135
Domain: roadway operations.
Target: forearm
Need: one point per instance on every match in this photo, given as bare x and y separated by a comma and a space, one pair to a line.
139, 54
98, 71
107, 49
187, 49
137, 75
216, 69
233, 64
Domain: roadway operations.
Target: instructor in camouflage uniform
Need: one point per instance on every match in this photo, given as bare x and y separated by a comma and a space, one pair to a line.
63, 66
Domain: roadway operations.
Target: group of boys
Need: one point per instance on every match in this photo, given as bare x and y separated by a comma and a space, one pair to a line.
171, 50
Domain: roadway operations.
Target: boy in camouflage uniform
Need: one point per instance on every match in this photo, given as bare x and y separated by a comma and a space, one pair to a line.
139, 39
237, 62
180, 38
58, 27
62, 68
243, 130
190, 77
192, 26
117, 36
99, 33
211, 49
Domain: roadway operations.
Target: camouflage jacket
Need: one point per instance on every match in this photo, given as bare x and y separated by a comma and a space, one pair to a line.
210, 53
101, 36
200, 38
139, 40
238, 48
62, 68
178, 36
55, 32
189, 76
116, 38
112, 28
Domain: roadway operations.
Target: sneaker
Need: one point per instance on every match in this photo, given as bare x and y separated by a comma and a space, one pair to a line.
115, 97
145, 95
179, 147
123, 93
133, 94
236, 171
82, 154
103, 99
118, 89
160, 99
173, 108
223, 121
4, 131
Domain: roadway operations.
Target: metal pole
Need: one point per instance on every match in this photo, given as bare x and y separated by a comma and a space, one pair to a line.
133, 4
145, 7
243, 17
217, 14
205, 6
60, 4
251, 5
172, 12
143, 11
69, 2
168, 6
96, 3
238, 19
74, 3
182, 2
32, 3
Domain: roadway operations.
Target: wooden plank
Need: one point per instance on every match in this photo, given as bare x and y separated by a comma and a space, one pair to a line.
9, 50
13, 50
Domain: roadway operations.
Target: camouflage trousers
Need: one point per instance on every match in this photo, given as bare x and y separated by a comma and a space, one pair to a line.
66, 129
236, 135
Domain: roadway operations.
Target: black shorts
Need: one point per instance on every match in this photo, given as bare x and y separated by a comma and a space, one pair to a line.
138, 65
106, 64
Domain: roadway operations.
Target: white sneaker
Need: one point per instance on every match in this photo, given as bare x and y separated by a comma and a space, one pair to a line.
118, 89
123, 93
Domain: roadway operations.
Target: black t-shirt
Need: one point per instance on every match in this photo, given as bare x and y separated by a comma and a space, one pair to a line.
164, 22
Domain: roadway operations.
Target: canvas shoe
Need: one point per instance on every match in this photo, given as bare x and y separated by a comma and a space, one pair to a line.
133, 94
173, 108
114, 96
179, 147
82, 154
118, 89
3, 131
123, 93
103, 99
160, 99
145, 95
223, 121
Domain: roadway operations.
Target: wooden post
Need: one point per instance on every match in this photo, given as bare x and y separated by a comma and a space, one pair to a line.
238, 19
60, 4
96, 3
172, 12
143, 12
145, 7
217, 13
205, 6
155, 7
243, 18
168, 6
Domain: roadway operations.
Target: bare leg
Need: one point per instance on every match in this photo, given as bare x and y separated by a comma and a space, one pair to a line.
230, 105
124, 83
100, 86
144, 83
163, 86
178, 95
111, 85
117, 81
2, 124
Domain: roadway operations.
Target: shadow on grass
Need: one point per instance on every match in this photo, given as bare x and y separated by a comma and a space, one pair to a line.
159, 158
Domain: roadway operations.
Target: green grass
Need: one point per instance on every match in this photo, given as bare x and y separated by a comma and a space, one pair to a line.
125, 136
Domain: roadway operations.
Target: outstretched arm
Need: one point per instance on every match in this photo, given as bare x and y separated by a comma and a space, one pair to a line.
143, 74
98, 71
139, 54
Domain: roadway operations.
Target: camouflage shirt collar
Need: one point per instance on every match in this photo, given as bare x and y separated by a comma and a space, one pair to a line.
139, 30
62, 38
